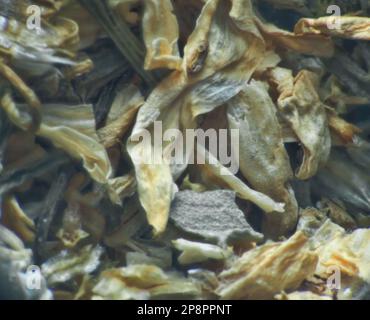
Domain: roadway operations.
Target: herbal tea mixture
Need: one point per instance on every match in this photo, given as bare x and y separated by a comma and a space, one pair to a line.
184, 149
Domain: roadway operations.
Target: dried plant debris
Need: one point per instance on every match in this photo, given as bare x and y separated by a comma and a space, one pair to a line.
143, 282
167, 149
67, 264
253, 113
212, 215
349, 253
195, 252
268, 269
15, 262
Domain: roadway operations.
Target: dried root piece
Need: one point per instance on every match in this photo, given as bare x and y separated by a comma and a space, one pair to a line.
124, 8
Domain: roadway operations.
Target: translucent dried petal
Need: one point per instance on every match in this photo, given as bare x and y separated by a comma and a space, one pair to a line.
142, 282
269, 269
69, 264
312, 44
161, 32
300, 105
72, 128
339, 26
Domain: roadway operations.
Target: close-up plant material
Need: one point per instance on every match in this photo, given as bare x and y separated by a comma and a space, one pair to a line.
184, 149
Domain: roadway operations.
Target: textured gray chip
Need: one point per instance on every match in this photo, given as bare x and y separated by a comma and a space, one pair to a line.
213, 215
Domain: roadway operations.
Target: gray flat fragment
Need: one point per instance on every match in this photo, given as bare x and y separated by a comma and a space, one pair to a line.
213, 215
